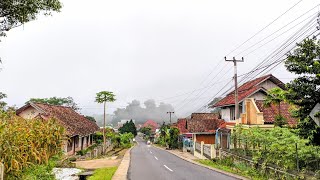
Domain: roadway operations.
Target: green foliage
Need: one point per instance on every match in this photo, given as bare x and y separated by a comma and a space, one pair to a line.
276, 146
229, 165
91, 118
103, 174
18, 12
128, 127
2, 103
43, 171
280, 121
173, 138
146, 131
125, 140
68, 101
168, 136
27, 143
105, 96
274, 97
304, 90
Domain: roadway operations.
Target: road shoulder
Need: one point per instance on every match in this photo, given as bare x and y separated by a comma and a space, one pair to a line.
178, 154
122, 171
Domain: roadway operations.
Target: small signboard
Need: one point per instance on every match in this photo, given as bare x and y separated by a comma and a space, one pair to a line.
313, 112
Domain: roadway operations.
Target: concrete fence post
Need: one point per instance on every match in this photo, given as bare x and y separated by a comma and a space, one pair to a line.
213, 152
202, 143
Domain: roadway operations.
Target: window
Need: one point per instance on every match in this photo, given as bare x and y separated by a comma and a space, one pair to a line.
232, 114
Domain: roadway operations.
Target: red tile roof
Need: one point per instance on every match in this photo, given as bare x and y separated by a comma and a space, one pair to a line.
73, 122
181, 125
247, 89
269, 113
150, 123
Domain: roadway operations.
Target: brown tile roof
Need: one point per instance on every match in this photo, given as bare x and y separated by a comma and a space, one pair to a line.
247, 89
204, 122
73, 122
205, 116
269, 113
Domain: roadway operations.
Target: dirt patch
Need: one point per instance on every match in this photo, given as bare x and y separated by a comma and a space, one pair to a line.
98, 163
114, 159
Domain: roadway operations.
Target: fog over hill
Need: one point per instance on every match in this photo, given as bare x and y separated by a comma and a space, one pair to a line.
150, 110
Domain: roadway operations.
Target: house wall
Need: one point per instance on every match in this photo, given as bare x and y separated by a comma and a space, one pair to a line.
225, 114
206, 138
268, 85
258, 96
29, 113
252, 115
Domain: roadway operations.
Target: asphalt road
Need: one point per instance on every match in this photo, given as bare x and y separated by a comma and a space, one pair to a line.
149, 163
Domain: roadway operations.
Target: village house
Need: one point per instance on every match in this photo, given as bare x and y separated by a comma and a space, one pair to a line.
251, 96
78, 129
202, 126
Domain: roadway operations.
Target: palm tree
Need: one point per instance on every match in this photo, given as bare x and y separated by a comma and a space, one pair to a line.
275, 96
104, 97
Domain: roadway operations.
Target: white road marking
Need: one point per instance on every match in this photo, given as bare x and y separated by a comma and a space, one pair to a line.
168, 168
156, 158
150, 152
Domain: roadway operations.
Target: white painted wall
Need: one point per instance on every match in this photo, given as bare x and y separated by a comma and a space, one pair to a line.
268, 85
29, 113
258, 96
225, 114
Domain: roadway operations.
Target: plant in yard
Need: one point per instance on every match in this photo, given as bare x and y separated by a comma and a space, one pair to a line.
28, 143
274, 97
102, 98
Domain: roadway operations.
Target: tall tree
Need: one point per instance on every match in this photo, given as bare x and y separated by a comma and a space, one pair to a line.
14, 13
68, 101
274, 97
304, 91
102, 98
128, 127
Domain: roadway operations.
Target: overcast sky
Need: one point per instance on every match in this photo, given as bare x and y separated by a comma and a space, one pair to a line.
139, 49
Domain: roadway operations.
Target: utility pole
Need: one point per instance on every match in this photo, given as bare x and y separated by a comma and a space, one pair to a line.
234, 60
170, 112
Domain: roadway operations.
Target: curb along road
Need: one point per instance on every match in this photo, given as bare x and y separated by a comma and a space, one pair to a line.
208, 167
122, 171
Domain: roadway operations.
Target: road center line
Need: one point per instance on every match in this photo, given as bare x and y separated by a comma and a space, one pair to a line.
168, 168
156, 158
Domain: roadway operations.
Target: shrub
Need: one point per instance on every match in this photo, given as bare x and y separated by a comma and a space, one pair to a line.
28, 143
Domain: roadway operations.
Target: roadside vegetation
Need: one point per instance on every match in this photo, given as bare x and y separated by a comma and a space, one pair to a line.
279, 148
238, 168
103, 173
29, 149
169, 137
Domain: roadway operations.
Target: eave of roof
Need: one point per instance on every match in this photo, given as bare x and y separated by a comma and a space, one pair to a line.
245, 91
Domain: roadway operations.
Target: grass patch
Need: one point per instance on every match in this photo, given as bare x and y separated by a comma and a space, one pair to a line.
103, 173
235, 168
